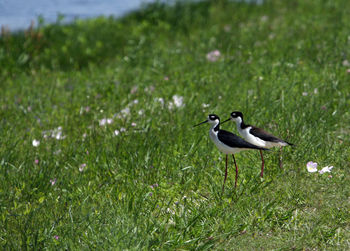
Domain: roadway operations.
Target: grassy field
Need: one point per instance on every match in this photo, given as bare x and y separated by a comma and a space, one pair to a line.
97, 145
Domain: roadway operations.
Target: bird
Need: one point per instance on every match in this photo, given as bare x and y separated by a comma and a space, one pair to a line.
227, 142
256, 136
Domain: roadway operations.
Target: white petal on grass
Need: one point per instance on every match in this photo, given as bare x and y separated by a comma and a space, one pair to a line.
311, 167
346, 62
134, 90
326, 169
36, 143
117, 132
57, 133
82, 167
178, 100
102, 122
149, 89
213, 55
57, 152
53, 181
227, 28
105, 121
160, 100
141, 112
125, 111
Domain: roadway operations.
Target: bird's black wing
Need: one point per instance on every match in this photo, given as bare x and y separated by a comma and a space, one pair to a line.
233, 140
260, 133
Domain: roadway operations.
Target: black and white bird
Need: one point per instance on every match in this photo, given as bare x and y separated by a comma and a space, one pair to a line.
227, 142
256, 136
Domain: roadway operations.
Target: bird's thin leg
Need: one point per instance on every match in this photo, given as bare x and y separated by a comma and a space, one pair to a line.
236, 170
281, 158
262, 164
223, 186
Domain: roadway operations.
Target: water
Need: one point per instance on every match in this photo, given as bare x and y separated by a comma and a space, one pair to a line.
18, 14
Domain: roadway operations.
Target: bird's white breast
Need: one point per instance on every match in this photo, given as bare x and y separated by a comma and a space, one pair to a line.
257, 141
221, 146
251, 138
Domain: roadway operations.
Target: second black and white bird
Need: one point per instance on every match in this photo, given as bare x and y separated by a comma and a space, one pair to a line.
256, 136
227, 142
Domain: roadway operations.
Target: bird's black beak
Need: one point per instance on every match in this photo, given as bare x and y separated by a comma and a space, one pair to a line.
201, 123
226, 120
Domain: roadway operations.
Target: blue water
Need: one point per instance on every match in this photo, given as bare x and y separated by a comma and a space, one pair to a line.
18, 14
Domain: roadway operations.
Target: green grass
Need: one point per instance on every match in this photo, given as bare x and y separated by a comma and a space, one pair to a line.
270, 55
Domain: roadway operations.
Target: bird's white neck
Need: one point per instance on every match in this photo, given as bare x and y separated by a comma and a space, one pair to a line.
215, 127
238, 122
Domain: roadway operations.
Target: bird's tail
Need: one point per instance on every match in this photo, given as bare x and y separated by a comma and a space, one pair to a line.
290, 144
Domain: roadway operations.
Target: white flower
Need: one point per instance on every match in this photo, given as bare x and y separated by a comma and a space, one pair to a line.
141, 112
125, 111
227, 28
311, 167
326, 169
57, 133
134, 89
178, 100
36, 143
149, 89
160, 100
170, 105
53, 181
105, 121
346, 63
133, 124
264, 18
82, 167
213, 55
205, 105
57, 152
117, 132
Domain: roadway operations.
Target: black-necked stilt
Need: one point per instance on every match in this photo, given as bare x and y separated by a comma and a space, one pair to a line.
256, 136
227, 142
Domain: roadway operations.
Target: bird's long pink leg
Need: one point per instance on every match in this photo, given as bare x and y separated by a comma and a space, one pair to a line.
281, 160
236, 170
262, 164
223, 186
